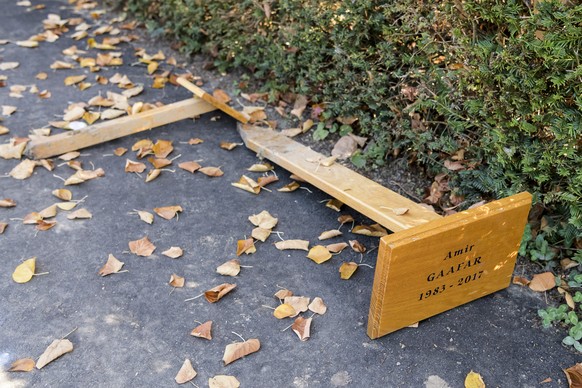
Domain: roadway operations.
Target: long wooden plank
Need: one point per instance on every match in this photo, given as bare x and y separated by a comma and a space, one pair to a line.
353, 189
114, 129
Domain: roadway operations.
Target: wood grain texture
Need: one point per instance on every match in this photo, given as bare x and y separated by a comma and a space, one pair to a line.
432, 268
353, 189
114, 129
240, 116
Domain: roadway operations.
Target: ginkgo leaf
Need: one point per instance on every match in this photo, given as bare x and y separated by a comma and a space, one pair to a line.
260, 167
153, 174
146, 217
302, 327
263, 181
73, 114
3, 129
215, 294
176, 281
131, 166
110, 114
133, 91
31, 218
45, 225
230, 268
229, 146
8, 110
357, 246
334, 204
195, 141
203, 330
119, 151
173, 252
80, 214
319, 254
245, 246
22, 365
299, 303
142, 144
91, 117
574, 375
48, 212
9, 65
190, 166
63, 194
152, 67
370, 230
474, 380
7, 202
55, 350
317, 306
23, 170
542, 282
168, 212
84, 175
111, 266
12, 150
24, 271
282, 294
337, 247
211, 171
3, 226
142, 247
223, 381
221, 96
247, 184
74, 79
263, 220
186, 373
289, 187
260, 234
292, 244
66, 205
329, 234
291, 132
159, 162
162, 148
283, 311
346, 270
237, 350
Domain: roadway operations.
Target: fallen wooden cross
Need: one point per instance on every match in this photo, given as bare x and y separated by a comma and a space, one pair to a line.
429, 265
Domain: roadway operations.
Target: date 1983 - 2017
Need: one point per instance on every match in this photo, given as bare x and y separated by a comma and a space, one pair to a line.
440, 289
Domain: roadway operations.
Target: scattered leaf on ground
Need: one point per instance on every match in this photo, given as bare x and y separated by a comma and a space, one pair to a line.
260, 234
23, 170
289, 187
153, 174
7, 202
215, 294
334, 204
260, 167
56, 349
186, 373
24, 271
263, 181
247, 184
357, 246
284, 310
211, 171
574, 376
370, 230
240, 349
3, 226
302, 327
189, 166
80, 214
292, 244
245, 246
195, 141
319, 254
203, 330
329, 234
142, 247
63, 194
22, 365
263, 220
337, 247
520, 280
228, 146
12, 150
131, 166
317, 306
111, 266
176, 281
223, 381
346, 270
282, 294
146, 217
162, 148
173, 252
230, 268
119, 151
299, 303
474, 380
168, 212
542, 282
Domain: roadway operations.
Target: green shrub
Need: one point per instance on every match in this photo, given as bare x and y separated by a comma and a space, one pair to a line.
493, 80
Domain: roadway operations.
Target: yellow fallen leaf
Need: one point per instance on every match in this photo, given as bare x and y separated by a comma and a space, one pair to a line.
119, 151
153, 174
247, 184
260, 167
12, 150
263, 220
370, 230
215, 294
66, 206
346, 270
113, 265
228, 146
284, 310
474, 380
25, 271
91, 117
131, 166
245, 246
74, 79
152, 67
27, 43
48, 212
260, 234
282, 294
337, 247
238, 350
319, 254
190, 166
211, 171
63, 194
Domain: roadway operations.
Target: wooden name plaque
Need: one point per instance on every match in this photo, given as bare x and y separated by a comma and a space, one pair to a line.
442, 264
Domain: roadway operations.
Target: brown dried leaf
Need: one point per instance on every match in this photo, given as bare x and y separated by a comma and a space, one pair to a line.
162, 148
240, 349
319, 254
302, 327
228, 146
245, 246
168, 212
317, 306
176, 281
346, 270
56, 349
186, 373
113, 265
84, 175
23, 170
260, 167
263, 181
230, 268
31, 218
263, 220
299, 303
222, 381
284, 310
574, 376
374, 230
80, 214
153, 174
22, 365
299, 106
542, 282
45, 225
357, 246
12, 150
159, 162
329, 234
211, 171
247, 184
566, 264
282, 294
131, 166
337, 247
261, 234
7, 202
3, 226
221, 96
203, 331
520, 281
48, 212
173, 252
215, 294
190, 166
292, 244
289, 187
195, 141
334, 204
142, 247
146, 217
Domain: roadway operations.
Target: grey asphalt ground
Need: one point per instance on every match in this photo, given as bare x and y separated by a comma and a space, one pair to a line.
133, 329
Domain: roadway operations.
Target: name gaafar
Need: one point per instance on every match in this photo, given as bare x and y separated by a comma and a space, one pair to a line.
465, 264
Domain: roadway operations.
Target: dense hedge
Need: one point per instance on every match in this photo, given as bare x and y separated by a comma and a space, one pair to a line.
499, 81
